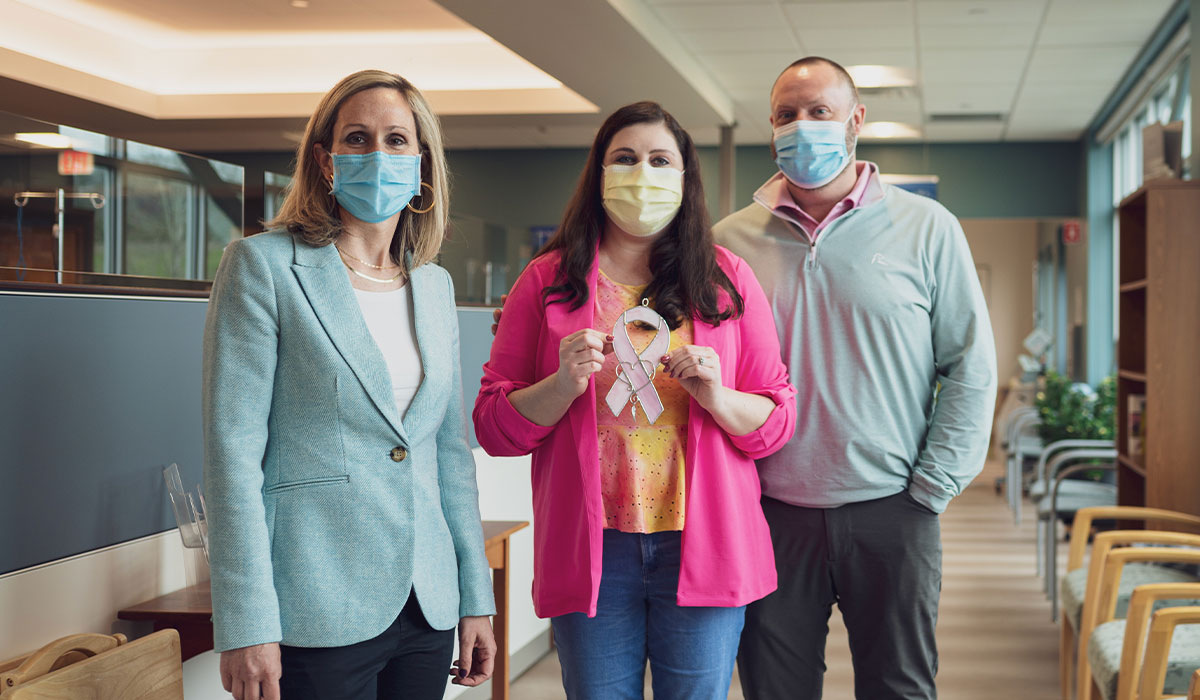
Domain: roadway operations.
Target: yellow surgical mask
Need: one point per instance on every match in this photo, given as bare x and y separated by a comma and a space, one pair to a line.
640, 199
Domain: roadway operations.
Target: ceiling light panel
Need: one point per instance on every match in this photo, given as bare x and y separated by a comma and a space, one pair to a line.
889, 131
45, 139
880, 76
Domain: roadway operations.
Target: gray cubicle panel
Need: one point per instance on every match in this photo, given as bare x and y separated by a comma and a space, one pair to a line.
97, 395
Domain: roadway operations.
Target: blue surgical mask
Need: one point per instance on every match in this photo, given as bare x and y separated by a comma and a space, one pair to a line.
811, 153
374, 186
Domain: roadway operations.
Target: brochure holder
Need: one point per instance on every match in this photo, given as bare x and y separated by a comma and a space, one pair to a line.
189, 511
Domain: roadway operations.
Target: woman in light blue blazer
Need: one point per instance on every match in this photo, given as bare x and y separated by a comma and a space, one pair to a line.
343, 513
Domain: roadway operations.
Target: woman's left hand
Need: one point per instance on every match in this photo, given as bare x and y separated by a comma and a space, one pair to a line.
476, 651
698, 369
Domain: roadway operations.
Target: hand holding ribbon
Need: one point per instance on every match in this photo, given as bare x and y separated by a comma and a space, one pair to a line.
698, 369
580, 355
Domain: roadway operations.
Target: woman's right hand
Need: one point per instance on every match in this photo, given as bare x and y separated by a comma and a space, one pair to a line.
580, 355
252, 673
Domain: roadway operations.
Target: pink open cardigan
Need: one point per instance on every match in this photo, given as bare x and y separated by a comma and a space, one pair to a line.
727, 559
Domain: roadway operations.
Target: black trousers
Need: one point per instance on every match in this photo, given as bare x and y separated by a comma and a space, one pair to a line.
409, 661
881, 562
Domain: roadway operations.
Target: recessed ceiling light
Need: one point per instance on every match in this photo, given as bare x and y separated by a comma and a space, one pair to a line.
889, 130
46, 139
874, 76
300, 4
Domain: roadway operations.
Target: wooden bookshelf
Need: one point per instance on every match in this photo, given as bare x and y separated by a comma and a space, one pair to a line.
1159, 339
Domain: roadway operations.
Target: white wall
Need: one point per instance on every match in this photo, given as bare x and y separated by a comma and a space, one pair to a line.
84, 593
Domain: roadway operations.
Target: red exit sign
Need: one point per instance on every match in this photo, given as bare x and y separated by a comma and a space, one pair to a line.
75, 163
1072, 232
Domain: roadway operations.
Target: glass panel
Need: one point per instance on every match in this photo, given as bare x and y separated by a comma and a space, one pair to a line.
132, 214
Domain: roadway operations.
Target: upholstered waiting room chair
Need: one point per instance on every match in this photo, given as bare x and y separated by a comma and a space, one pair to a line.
1172, 652
1075, 587
97, 667
1113, 659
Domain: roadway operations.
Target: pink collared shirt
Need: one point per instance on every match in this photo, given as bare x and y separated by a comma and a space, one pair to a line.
776, 197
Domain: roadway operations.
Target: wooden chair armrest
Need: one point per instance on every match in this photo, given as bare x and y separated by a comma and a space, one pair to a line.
1158, 645
1141, 607
61, 652
1194, 686
1117, 559
1084, 518
1101, 546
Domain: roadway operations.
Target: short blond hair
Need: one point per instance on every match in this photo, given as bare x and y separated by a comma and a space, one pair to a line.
310, 212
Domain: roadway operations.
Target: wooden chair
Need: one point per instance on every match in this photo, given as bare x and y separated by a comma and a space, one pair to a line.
97, 667
1111, 656
1075, 589
1194, 689
1166, 654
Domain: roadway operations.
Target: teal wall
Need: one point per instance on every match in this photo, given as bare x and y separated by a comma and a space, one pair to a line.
529, 187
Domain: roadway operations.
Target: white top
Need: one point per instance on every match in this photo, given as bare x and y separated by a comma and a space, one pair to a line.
389, 317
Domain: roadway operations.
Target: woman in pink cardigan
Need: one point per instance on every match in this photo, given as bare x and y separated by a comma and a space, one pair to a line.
640, 365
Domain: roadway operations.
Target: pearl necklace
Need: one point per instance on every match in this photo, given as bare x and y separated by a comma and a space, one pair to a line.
344, 254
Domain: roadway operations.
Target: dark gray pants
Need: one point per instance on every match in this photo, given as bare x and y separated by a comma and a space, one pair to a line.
881, 562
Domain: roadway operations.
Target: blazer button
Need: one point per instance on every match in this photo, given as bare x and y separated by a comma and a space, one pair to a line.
398, 454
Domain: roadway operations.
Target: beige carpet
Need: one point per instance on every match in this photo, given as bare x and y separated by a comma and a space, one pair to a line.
995, 637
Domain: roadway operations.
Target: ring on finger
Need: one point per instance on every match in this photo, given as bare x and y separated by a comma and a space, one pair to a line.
701, 361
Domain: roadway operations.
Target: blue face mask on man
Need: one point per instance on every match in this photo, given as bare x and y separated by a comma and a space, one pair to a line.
375, 186
811, 153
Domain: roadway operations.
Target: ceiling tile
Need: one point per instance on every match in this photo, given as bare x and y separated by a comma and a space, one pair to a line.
1064, 65
747, 71
1142, 12
819, 39
963, 132
970, 36
900, 58
1092, 33
1073, 93
721, 16
888, 109
1032, 119
776, 38
849, 14
1041, 133
993, 66
705, 2
985, 12
969, 98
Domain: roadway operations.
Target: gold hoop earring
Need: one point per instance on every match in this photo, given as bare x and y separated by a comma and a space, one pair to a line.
431, 204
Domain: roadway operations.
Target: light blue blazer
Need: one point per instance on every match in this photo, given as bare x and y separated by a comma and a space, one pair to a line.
324, 508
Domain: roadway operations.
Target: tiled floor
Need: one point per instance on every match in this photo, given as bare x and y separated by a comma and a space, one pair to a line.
995, 637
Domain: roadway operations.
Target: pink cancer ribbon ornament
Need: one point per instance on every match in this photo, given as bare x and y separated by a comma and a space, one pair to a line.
636, 370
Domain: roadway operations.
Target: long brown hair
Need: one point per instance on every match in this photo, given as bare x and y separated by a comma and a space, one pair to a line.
687, 280
310, 212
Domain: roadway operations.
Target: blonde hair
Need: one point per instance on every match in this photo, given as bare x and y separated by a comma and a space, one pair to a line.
310, 212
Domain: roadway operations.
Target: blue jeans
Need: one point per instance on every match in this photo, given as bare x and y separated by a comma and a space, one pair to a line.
691, 650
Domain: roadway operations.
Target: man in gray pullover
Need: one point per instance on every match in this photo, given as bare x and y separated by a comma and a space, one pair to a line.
886, 336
